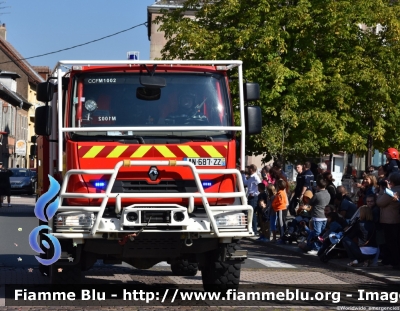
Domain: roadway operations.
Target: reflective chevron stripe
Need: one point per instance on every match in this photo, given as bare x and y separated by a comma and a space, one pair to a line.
116, 153
87, 151
93, 152
165, 151
140, 152
212, 151
189, 152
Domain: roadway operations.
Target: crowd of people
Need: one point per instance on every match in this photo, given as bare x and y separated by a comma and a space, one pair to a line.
367, 228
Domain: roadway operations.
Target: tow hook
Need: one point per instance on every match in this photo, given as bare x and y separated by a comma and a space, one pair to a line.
132, 236
188, 241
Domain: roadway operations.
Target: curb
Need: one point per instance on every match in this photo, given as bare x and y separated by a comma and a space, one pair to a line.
332, 264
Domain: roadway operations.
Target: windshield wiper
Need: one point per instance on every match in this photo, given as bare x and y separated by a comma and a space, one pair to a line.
107, 138
193, 138
138, 138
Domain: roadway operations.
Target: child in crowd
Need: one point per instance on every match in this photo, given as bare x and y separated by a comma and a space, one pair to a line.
303, 213
279, 204
262, 211
271, 213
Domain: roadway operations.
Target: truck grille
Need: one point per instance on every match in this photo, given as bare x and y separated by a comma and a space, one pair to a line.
163, 217
164, 186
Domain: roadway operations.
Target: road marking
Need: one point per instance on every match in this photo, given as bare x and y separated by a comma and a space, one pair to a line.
162, 264
265, 261
272, 263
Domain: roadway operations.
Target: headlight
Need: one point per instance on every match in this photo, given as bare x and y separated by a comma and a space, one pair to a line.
90, 105
231, 220
75, 219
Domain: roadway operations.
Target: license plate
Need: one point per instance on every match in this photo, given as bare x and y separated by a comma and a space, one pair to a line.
207, 161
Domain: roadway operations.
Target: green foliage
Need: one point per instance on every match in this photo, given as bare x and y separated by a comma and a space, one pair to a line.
326, 83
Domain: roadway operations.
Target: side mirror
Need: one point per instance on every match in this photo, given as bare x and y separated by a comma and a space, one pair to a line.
251, 91
253, 120
45, 92
33, 150
43, 121
33, 139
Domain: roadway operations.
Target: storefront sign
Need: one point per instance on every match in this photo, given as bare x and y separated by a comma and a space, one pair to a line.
20, 147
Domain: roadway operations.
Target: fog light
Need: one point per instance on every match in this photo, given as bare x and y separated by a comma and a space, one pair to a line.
179, 216
132, 216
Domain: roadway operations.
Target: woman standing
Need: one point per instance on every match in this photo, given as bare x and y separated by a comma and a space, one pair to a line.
370, 185
266, 177
390, 219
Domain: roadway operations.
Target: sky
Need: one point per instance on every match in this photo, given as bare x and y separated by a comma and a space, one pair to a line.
43, 26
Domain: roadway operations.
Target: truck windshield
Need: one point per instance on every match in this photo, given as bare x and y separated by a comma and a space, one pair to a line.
119, 100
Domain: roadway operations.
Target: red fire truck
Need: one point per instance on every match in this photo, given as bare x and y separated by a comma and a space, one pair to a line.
146, 156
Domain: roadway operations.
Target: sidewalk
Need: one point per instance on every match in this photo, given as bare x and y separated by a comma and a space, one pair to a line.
381, 273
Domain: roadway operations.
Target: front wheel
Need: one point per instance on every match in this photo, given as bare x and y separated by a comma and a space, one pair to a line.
182, 267
218, 274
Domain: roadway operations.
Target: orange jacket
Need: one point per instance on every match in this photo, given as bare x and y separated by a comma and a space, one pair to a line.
280, 201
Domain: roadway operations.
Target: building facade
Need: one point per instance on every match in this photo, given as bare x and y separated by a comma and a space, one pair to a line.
18, 81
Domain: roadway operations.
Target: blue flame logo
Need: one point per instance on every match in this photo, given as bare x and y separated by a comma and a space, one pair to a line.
41, 212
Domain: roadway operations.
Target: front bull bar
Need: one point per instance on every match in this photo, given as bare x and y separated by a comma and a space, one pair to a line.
191, 196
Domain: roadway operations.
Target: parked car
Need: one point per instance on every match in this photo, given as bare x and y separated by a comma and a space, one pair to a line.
22, 181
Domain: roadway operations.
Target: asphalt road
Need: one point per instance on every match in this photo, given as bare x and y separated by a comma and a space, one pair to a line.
16, 223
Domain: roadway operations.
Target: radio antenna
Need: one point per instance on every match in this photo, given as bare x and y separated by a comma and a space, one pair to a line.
3, 7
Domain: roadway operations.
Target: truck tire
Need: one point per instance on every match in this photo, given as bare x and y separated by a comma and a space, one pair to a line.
182, 267
70, 274
218, 275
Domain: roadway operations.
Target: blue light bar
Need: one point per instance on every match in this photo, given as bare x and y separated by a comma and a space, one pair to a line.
206, 184
99, 184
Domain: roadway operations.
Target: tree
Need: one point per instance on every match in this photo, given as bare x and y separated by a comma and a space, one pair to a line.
328, 78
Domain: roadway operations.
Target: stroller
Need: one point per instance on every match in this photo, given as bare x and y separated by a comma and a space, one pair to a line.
294, 231
333, 242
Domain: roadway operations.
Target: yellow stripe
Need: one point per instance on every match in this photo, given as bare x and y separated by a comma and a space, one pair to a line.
79, 147
140, 152
226, 147
94, 151
117, 151
212, 151
189, 152
165, 152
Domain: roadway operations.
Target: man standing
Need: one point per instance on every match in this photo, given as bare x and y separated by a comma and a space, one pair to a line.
392, 156
5, 186
252, 192
298, 191
322, 168
308, 179
318, 203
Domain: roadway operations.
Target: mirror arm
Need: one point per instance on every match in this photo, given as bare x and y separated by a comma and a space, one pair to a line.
151, 73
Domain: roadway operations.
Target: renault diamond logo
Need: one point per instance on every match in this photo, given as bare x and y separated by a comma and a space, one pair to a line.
153, 173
